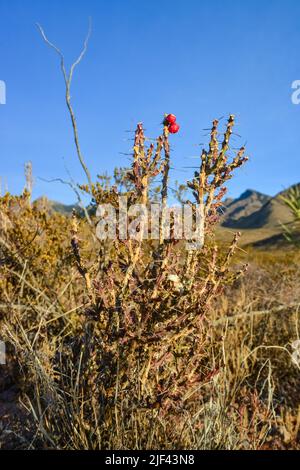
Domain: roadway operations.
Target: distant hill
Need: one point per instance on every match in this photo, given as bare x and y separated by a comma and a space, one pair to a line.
253, 210
237, 210
54, 206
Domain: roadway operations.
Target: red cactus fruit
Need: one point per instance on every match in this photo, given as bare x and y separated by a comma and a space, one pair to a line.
170, 119
173, 128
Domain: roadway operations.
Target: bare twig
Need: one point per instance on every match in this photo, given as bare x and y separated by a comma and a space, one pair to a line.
68, 81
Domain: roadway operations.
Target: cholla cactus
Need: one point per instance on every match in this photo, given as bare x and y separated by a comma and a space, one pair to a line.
145, 330
136, 348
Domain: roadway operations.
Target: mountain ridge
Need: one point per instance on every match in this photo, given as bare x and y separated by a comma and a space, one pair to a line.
255, 210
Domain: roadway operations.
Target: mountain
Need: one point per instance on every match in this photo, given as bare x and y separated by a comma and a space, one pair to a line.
254, 210
54, 206
240, 209
260, 218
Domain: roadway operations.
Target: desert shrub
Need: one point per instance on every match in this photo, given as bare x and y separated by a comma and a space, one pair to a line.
115, 337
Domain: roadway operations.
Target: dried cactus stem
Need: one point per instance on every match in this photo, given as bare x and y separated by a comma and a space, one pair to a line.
165, 181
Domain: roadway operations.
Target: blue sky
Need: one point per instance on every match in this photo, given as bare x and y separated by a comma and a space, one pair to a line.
197, 59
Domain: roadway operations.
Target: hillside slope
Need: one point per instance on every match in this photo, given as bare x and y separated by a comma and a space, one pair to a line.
243, 207
253, 210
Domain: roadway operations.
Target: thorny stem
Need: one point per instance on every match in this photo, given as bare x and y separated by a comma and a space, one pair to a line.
164, 191
138, 153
